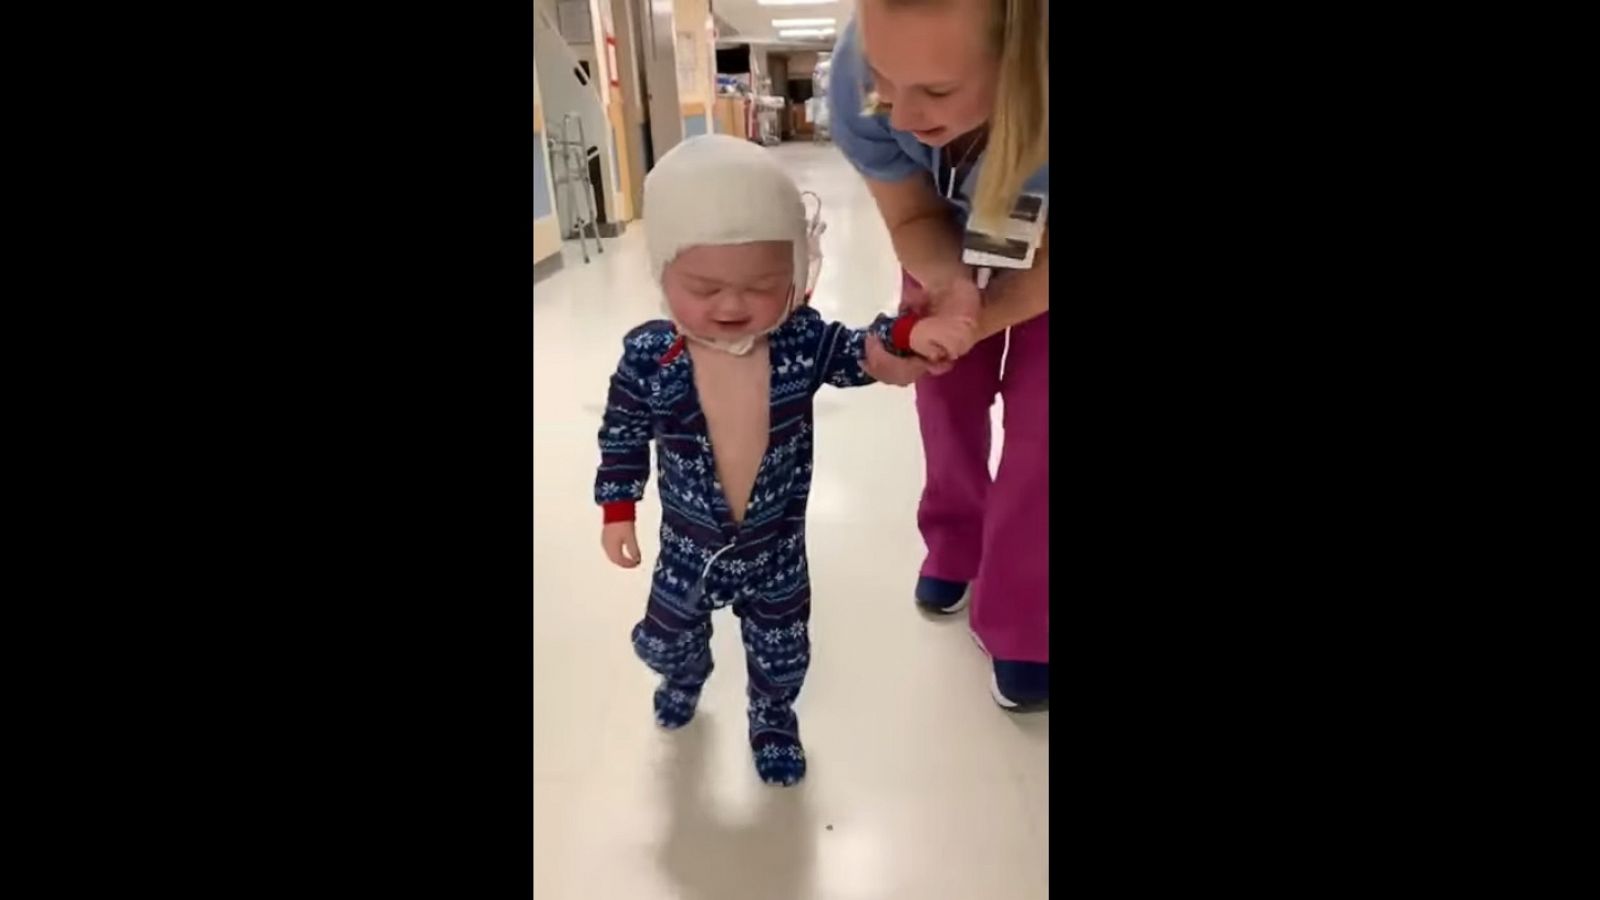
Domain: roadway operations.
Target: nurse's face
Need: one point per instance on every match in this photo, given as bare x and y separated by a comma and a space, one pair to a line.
931, 64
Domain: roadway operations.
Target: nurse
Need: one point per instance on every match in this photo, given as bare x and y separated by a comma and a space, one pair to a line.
942, 105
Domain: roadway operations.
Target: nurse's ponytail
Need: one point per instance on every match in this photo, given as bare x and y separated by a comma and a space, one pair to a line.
1019, 129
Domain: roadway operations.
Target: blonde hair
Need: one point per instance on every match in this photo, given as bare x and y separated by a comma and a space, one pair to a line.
1019, 126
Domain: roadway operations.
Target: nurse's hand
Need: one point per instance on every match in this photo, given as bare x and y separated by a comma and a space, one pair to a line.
887, 368
957, 297
955, 294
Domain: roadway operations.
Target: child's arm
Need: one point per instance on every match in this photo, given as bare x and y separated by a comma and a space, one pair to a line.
843, 350
625, 433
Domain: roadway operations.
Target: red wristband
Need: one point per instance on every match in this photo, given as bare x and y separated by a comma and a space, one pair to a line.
620, 511
900, 334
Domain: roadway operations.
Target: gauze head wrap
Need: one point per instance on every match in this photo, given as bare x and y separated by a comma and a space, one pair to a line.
718, 189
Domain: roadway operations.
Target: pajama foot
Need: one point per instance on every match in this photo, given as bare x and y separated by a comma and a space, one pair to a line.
675, 705
775, 743
780, 760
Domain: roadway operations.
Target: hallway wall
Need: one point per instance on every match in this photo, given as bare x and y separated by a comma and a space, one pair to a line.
695, 45
546, 229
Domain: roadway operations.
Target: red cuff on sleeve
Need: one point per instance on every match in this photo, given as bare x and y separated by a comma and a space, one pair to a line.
900, 334
620, 511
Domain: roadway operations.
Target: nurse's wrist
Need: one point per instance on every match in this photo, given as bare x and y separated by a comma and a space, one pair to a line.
942, 279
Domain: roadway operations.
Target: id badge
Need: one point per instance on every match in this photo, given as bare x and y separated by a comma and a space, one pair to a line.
1013, 245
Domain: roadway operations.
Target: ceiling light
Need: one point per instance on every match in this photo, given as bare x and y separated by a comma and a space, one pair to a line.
794, 2
801, 23
806, 33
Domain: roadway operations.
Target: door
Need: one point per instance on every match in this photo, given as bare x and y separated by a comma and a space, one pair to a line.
635, 121
658, 64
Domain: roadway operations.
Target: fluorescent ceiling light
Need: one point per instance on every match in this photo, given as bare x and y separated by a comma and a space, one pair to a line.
794, 2
801, 23
806, 33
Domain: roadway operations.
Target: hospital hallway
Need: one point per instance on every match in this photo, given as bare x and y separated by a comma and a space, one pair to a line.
919, 786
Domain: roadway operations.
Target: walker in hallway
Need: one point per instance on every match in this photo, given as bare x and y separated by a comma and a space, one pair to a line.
570, 159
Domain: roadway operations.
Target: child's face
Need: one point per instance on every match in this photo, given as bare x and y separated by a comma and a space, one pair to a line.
730, 291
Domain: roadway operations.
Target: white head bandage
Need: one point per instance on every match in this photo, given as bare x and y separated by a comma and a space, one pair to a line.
717, 189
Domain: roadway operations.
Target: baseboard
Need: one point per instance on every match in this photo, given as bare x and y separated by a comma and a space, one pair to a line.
548, 266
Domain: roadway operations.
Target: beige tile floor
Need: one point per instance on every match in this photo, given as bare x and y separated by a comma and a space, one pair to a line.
919, 787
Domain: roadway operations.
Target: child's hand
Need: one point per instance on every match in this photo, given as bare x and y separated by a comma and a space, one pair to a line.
622, 546
943, 338
887, 368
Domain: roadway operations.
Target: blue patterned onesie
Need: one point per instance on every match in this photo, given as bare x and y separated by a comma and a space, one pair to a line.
707, 561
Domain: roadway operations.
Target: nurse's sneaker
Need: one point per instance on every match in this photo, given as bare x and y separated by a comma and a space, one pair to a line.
1020, 686
937, 595
1017, 686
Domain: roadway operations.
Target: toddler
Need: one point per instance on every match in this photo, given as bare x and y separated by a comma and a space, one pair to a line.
724, 389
